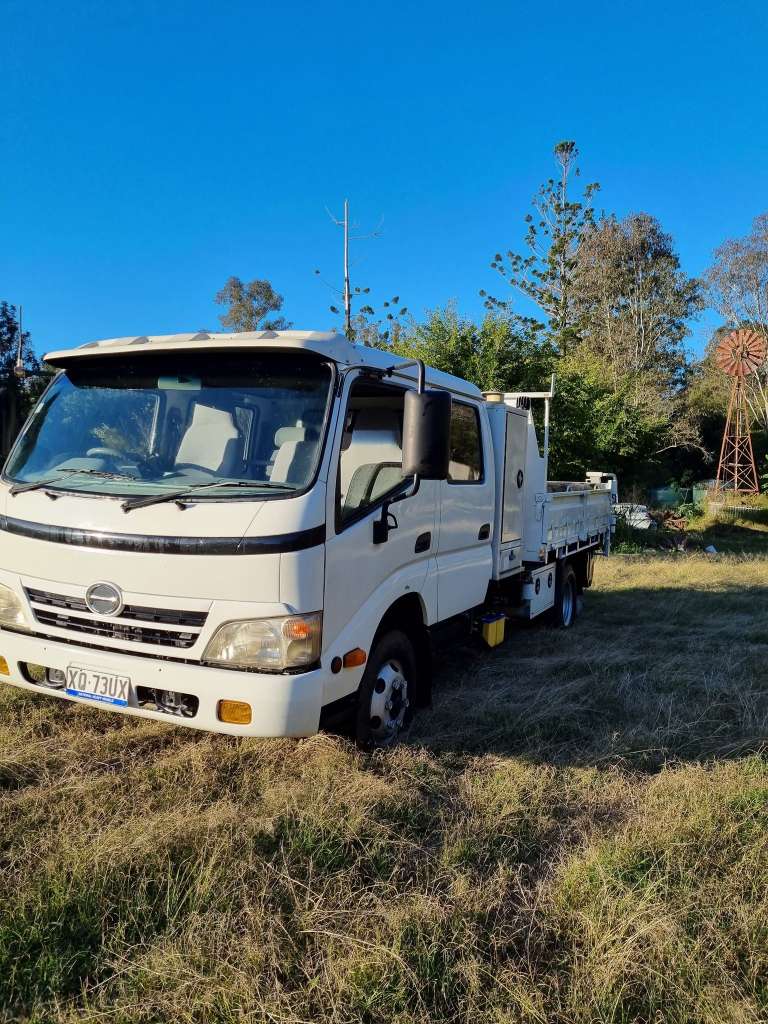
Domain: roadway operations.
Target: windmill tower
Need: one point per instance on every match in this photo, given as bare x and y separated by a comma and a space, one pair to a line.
739, 355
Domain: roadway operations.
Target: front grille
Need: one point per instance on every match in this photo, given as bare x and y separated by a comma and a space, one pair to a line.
57, 608
167, 616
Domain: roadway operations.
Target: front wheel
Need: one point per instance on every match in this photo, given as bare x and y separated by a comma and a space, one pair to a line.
566, 597
386, 691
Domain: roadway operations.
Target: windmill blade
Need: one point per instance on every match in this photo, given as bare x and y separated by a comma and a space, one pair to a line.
743, 352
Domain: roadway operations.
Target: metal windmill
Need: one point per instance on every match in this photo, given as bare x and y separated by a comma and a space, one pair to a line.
740, 354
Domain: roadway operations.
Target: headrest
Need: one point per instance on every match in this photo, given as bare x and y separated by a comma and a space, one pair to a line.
285, 434
207, 438
207, 416
366, 421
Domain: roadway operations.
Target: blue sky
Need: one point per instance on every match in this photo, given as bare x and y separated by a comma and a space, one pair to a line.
151, 150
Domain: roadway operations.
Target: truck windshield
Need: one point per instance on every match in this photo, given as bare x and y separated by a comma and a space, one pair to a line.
162, 423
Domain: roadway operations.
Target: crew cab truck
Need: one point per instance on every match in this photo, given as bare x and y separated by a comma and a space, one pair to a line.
255, 533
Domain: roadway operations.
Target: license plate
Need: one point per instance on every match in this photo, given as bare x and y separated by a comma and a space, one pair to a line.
104, 687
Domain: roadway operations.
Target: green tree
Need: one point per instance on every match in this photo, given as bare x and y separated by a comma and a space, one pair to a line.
544, 272
494, 355
380, 328
633, 301
376, 328
634, 304
16, 394
250, 305
597, 426
709, 387
9, 342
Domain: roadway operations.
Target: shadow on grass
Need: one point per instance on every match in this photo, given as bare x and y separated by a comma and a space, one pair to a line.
646, 676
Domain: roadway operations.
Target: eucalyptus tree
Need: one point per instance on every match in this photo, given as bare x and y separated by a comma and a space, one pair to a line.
250, 305
633, 301
634, 305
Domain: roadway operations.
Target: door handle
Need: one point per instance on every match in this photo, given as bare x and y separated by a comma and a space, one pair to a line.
484, 532
423, 542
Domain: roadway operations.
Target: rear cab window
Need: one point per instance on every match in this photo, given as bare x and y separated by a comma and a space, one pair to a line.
466, 460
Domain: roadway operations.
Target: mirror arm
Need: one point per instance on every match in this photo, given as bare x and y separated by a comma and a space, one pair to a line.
375, 371
407, 494
419, 363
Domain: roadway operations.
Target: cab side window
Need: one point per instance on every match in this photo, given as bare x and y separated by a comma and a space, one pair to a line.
466, 462
370, 462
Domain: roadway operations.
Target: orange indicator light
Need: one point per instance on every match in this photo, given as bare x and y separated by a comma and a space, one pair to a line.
355, 657
234, 712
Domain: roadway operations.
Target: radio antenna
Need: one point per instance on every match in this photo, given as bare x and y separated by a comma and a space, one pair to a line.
347, 225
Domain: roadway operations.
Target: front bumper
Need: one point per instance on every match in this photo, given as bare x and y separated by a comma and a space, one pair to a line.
282, 705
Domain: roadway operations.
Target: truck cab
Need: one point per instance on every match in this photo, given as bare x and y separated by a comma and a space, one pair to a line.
220, 530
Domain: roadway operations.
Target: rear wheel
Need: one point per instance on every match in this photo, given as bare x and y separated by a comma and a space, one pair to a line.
566, 597
386, 691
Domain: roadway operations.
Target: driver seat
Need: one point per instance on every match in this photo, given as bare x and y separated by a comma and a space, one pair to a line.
211, 441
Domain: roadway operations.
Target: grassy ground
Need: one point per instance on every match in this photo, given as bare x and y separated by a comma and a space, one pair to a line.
578, 832
741, 528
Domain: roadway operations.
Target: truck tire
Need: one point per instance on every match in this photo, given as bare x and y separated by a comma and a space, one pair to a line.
386, 692
566, 597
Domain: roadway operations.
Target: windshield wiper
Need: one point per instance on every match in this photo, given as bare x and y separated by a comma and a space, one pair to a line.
178, 496
52, 481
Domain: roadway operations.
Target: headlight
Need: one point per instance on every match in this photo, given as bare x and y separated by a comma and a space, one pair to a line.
272, 645
11, 609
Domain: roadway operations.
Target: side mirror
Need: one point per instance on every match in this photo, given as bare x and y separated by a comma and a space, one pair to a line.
426, 434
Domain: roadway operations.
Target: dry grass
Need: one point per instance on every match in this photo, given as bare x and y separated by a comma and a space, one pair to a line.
578, 832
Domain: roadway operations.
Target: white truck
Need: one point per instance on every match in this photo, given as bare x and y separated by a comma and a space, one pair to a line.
261, 533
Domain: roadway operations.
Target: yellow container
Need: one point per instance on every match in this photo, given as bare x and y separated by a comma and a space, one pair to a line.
493, 629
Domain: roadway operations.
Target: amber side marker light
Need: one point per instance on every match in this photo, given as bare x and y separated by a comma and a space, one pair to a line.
354, 658
4, 670
235, 712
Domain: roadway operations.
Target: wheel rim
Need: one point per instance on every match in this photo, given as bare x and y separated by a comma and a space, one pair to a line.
389, 703
568, 599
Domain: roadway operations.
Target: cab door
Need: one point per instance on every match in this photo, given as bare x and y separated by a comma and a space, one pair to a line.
364, 573
465, 553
